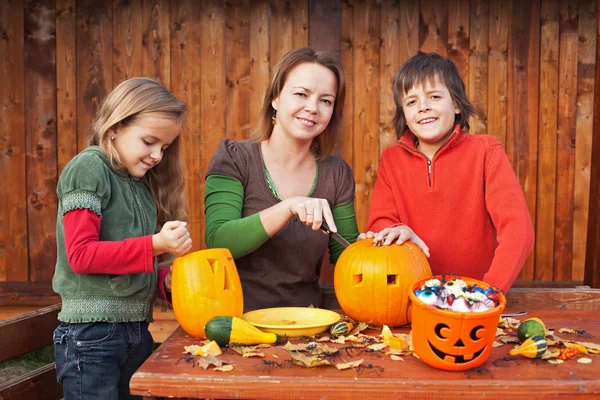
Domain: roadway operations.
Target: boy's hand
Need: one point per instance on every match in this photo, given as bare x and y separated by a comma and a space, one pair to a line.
400, 234
173, 238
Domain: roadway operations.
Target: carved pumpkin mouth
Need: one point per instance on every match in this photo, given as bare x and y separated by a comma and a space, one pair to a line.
455, 359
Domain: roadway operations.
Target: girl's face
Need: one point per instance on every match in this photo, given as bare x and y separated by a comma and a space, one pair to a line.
305, 104
430, 113
141, 144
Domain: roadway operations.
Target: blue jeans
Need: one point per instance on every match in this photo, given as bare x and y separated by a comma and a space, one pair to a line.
96, 360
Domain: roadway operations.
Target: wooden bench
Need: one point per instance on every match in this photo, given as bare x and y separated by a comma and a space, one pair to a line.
21, 335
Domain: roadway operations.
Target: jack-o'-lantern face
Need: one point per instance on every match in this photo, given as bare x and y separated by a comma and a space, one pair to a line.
457, 346
454, 342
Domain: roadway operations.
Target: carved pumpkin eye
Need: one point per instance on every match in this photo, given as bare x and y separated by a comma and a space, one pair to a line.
476, 333
441, 330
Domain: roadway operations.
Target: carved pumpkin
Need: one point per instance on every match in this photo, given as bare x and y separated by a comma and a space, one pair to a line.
205, 284
453, 341
372, 282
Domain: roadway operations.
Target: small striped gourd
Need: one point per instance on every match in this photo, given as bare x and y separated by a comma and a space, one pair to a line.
529, 328
533, 347
340, 328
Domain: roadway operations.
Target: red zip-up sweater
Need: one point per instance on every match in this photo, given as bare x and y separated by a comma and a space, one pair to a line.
466, 204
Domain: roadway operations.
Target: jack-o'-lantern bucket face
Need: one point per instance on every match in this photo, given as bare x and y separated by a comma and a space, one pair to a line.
453, 341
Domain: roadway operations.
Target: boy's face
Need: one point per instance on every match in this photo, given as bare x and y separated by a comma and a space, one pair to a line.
430, 111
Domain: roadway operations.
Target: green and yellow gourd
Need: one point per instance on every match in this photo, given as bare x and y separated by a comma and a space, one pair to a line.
529, 328
533, 347
225, 330
340, 328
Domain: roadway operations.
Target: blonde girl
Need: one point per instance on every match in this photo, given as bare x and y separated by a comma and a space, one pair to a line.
121, 206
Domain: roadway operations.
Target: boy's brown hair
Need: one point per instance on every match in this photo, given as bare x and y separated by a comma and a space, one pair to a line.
426, 66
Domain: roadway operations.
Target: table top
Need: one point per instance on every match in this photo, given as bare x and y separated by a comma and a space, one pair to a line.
162, 374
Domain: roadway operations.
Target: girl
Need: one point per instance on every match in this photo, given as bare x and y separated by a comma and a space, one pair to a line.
113, 198
266, 199
456, 191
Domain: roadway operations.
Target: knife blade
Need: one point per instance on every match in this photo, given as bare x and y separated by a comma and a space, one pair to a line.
336, 236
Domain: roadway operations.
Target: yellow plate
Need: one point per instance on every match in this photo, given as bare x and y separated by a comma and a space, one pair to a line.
292, 321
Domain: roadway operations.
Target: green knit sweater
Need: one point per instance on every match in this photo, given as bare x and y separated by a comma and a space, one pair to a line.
128, 210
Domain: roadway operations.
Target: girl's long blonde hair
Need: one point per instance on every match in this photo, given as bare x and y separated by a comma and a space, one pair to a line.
124, 105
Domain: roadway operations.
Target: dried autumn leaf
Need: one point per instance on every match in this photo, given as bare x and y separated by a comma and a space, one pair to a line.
497, 344
351, 364
555, 361
500, 332
577, 346
396, 358
508, 322
509, 339
307, 361
584, 360
394, 342
248, 355
377, 346
593, 348
325, 338
339, 340
243, 350
224, 368
207, 361
210, 349
566, 330
361, 326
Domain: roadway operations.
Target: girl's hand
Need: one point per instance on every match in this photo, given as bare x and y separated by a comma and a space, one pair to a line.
312, 212
400, 234
173, 238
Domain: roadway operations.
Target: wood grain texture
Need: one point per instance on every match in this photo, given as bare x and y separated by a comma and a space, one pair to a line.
155, 41
185, 84
94, 62
567, 104
367, 25
40, 133
237, 34
66, 82
28, 332
546, 193
324, 25
345, 147
528, 65
476, 76
212, 85
497, 85
260, 65
523, 61
410, 378
433, 36
583, 132
14, 251
459, 31
128, 60
592, 255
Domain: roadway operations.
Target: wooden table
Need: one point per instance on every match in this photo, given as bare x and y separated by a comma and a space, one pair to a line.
410, 379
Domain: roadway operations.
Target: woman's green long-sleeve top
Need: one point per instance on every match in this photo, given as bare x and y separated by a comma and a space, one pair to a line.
282, 270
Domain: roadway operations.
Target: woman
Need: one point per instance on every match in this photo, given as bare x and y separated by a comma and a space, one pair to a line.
266, 198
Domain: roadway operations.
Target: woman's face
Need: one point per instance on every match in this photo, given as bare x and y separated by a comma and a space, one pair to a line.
141, 145
305, 105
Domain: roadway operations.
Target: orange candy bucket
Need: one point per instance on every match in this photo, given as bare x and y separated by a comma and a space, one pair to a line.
450, 340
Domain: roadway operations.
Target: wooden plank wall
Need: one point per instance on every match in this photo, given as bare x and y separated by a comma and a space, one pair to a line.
528, 66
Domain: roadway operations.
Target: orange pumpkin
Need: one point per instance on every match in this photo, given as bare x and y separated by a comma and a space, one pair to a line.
205, 284
372, 282
453, 341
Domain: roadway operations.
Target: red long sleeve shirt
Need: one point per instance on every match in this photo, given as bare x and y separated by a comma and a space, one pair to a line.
87, 254
466, 204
